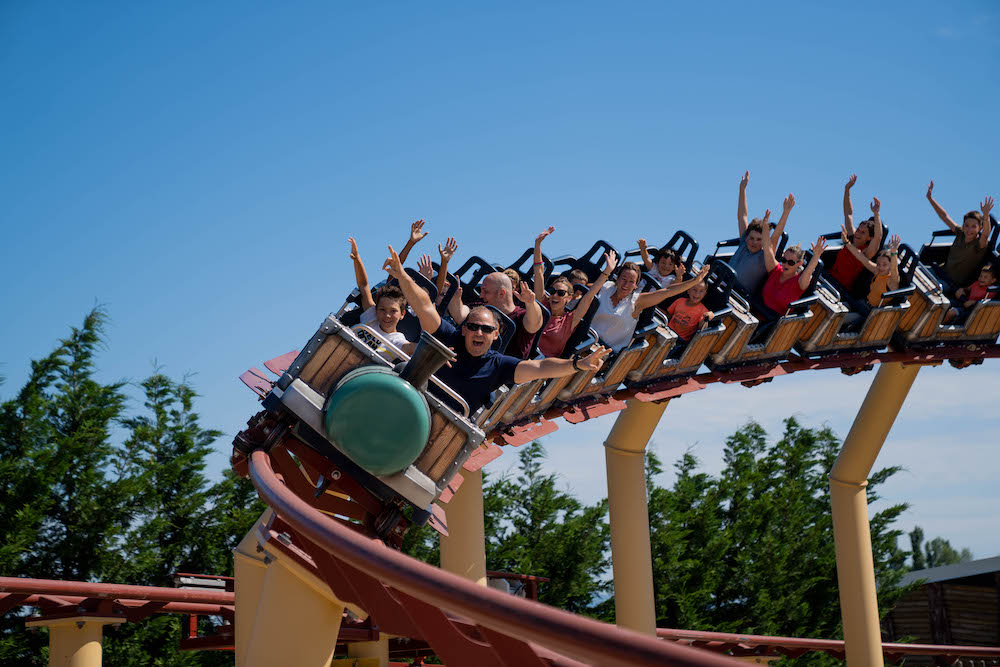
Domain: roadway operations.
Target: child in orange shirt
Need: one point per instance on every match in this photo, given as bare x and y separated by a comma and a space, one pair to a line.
885, 267
689, 315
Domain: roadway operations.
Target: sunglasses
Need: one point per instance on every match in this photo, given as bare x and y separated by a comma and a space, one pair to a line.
485, 328
789, 262
560, 292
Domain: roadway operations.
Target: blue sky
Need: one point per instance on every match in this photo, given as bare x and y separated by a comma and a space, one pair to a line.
198, 168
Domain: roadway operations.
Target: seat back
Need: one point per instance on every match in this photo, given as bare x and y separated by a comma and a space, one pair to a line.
471, 273
582, 331
525, 266
507, 330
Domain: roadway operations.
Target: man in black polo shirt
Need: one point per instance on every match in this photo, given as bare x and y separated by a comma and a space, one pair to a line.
479, 370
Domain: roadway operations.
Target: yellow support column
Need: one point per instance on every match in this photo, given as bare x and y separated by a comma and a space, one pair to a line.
76, 641
370, 654
851, 530
284, 614
463, 551
628, 511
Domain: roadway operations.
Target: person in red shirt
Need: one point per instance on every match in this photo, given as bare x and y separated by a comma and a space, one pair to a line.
967, 297
867, 238
689, 315
787, 280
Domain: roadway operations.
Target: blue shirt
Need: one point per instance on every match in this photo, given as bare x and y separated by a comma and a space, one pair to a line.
749, 266
473, 378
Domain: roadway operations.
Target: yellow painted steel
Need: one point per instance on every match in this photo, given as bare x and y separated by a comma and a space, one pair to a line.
76, 641
628, 509
284, 614
852, 533
463, 550
370, 654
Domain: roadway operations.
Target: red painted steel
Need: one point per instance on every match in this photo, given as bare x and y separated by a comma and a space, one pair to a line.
113, 591
795, 646
427, 588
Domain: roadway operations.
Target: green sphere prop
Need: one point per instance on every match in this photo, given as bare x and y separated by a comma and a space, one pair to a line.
380, 421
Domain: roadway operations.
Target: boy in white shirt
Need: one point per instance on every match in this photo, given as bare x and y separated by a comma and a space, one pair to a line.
665, 266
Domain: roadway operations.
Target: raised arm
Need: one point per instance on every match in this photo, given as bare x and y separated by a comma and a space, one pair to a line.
532, 311
741, 210
646, 261
848, 206
553, 367
779, 229
447, 252
853, 249
986, 206
876, 241
457, 308
538, 268
806, 276
610, 262
361, 276
416, 235
943, 214
769, 261
648, 299
893, 282
416, 298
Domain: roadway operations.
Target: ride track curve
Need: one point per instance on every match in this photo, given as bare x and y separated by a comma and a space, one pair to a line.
509, 624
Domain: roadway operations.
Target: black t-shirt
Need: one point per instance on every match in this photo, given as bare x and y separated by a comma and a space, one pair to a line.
474, 378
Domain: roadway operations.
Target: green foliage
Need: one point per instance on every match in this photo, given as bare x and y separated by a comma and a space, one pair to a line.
533, 528
74, 505
752, 551
935, 553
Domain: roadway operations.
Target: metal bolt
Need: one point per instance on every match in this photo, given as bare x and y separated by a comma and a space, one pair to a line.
335, 475
284, 538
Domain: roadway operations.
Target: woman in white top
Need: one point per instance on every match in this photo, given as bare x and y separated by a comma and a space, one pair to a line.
621, 304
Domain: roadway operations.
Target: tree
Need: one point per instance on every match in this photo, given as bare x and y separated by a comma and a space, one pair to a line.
752, 550
935, 553
533, 528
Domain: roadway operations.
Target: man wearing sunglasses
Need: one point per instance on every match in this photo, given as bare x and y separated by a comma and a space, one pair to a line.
497, 290
479, 370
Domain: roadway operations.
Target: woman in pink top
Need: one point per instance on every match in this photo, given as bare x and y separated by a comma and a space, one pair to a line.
562, 323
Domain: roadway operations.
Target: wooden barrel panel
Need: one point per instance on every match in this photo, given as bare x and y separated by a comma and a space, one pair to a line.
447, 455
319, 358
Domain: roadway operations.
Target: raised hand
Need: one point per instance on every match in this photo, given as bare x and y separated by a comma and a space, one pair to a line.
767, 219
541, 237
844, 236
393, 266
425, 267
642, 244
789, 203
703, 272
679, 270
876, 205
610, 261
355, 255
448, 251
745, 179
594, 360
851, 181
819, 246
894, 242
525, 293
930, 190
416, 231
986, 206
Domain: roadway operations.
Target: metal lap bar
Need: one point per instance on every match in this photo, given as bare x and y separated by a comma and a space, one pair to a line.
588, 383
403, 356
519, 396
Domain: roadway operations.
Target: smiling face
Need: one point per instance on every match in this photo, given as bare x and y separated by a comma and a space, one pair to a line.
790, 262
665, 265
478, 342
883, 264
986, 277
862, 235
971, 228
627, 281
388, 313
560, 293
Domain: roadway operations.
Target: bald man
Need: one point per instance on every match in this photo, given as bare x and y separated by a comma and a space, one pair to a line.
497, 290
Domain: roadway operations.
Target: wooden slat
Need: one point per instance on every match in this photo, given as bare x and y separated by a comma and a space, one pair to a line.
319, 358
435, 448
447, 456
324, 376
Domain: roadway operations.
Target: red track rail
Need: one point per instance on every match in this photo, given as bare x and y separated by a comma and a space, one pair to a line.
507, 622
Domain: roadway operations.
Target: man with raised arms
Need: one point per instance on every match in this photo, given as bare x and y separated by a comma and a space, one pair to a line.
479, 370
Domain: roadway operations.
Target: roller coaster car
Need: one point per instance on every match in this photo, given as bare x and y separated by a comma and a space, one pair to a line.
346, 402
681, 242
726, 249
664, 360
923, 325
746, 345
834, 326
